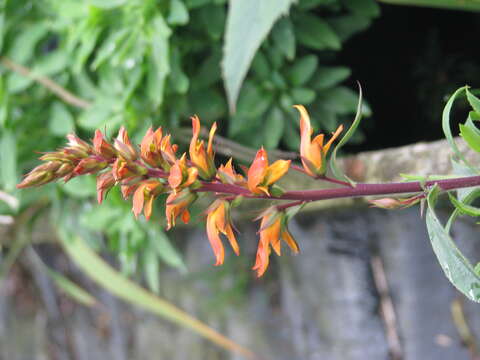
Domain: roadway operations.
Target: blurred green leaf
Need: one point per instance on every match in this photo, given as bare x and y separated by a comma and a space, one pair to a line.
464, 208
107, 4
80, 187
473, 100
151, 269
366, 8
178, 13
274, 127
284, 37
347, 25
313, 32
213, 18
106, 276
23, 47
260, 66
51, 64
108, 47
341, 100
61, 120
162, 246
303, 96
455, 266
302, 70
327, 77
71, 289
8, 159
240, 45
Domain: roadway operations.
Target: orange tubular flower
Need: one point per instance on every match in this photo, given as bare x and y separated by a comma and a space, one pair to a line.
177, 204
105, 181
203, 160
156, 150
313, 152
144, 195
261, 175
124, 146
102, 147
227, 175
218, 221
272, 227
181, 176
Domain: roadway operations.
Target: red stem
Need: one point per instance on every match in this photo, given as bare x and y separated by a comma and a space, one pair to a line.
358, 190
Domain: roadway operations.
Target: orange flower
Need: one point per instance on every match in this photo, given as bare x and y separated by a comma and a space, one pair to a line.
261, 175
124, 146
227, 174
203, 160
272, 227
144, 195
102, 147
156, 150
177, 204
105, 181
181, 176
313, 152
218, 221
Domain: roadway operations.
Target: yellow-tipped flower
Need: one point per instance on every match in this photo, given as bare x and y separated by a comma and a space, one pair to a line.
218, 221
272, 227
313, 152
181, 176
203, 160
260, 175
177, 205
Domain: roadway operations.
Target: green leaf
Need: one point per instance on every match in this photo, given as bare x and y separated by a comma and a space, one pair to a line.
464, 208
248, 23
473, 100
365, 8
108, 4
471, 136
341, 100
454, 264
302, 70
61, 120
159, 61
151, 269
71, 289
101, 217
23, 46
107, 277
51, 63
274, 127
80, 187
178, 14
260, 66
348, 25
327, 77
8, 159
337, 173
162, 246
446, 126
315, 33
284, 37
108, 47
303, 95
213, 18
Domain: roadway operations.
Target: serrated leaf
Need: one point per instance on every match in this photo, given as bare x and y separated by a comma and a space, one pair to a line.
302, 70
283, 37
337, 173
248, 23
8, 159
454, 264
274, 127
315, 33
61, 120
327, 77
178, 14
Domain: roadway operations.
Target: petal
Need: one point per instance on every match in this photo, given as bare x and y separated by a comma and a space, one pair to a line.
213, 129
258, 169
332, 139
276, 171
185, 216
287, 237
262, 258
214, 239
147, 209
231, 238
138, 200
175, 177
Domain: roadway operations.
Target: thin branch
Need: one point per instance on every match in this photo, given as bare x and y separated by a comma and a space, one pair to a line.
387, 308
58, 90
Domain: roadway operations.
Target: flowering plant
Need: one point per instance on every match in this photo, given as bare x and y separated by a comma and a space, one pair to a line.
156, 167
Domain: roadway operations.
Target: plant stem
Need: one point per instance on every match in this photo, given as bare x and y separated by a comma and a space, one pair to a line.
346, 192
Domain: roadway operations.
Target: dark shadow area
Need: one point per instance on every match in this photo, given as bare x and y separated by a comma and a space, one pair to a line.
408, 62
